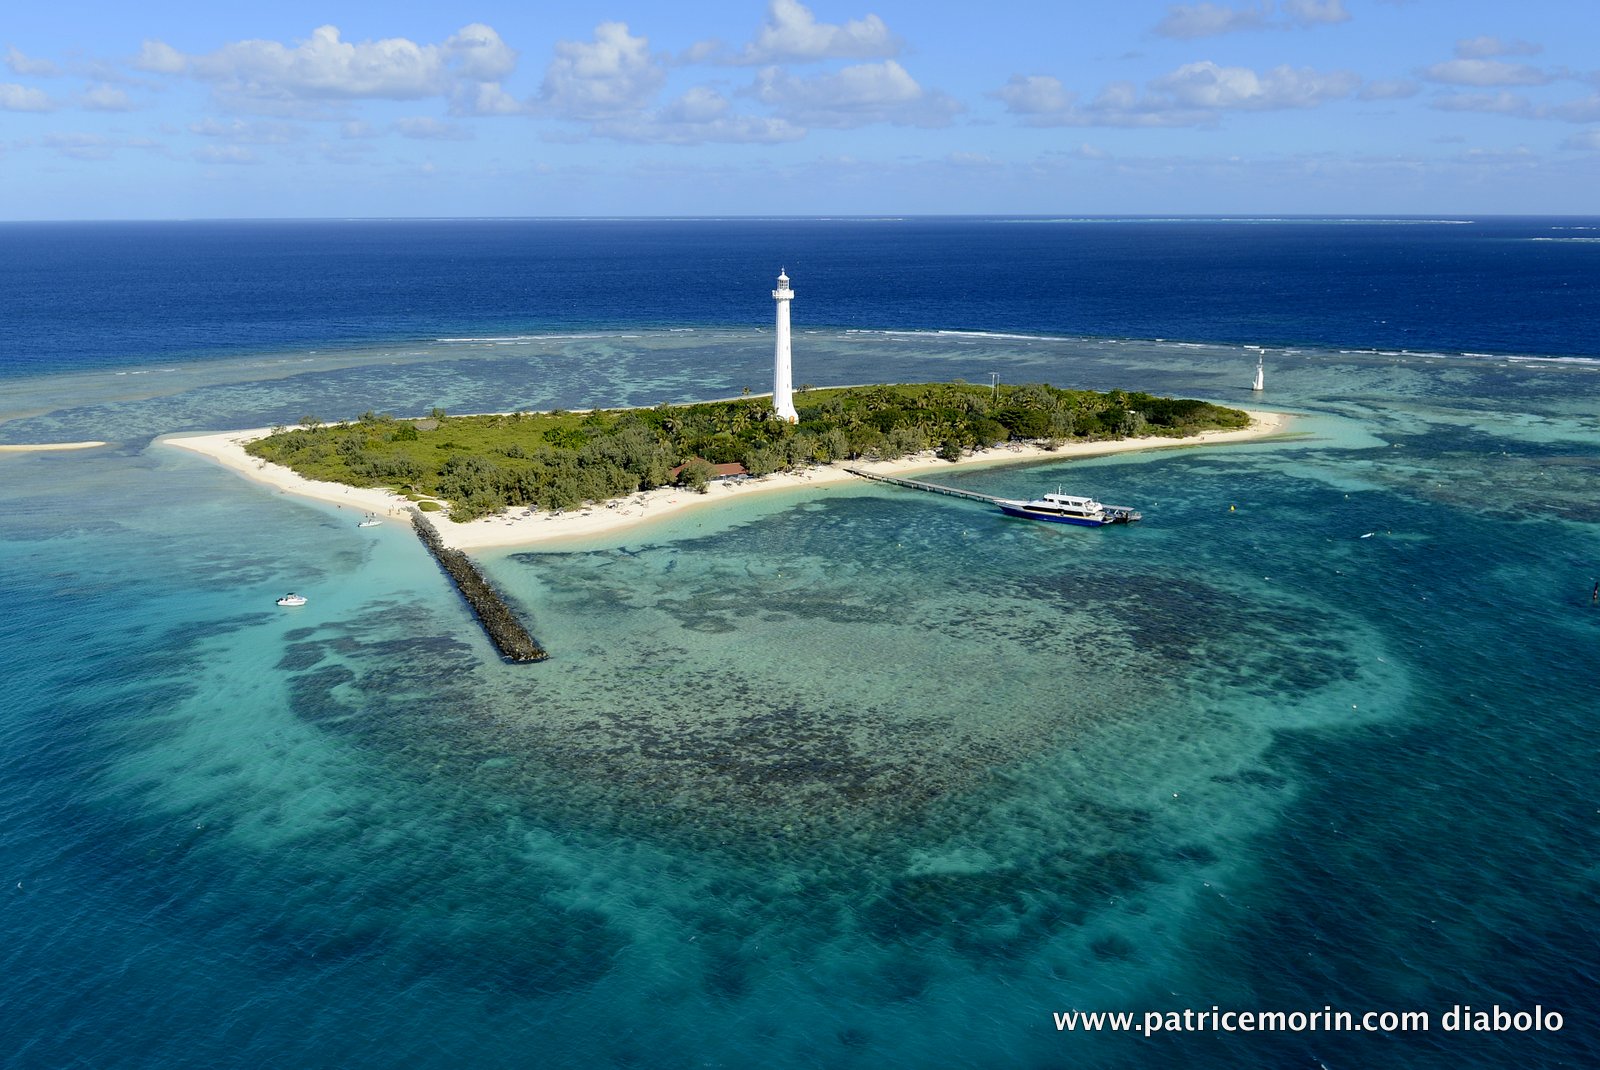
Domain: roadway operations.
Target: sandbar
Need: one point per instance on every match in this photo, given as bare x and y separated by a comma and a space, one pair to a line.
46, 447
521, 526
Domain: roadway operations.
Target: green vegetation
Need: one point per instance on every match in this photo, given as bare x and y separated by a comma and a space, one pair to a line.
559, 460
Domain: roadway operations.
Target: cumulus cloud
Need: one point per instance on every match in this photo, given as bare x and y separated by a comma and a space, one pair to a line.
792, 34
105, 98
81, 146
1391, 89
240, 132
160, 58
485, 98
1314, 12
325, 67
1189, 21
477, 52
855, 96
225, 154
1483, 47
1207, 85
1518, 106
1035, 95
15, 97
611, 76
29, 67
1193, 95
699, 116
427, 128
1485, 72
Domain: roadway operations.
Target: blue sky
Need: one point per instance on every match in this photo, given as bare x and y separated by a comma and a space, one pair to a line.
780, 107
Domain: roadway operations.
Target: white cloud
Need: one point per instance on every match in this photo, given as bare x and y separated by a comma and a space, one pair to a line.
792, 33
29, 67
1588, 141
1193, 95
1586, 110
240, 132
486, 98
105, 98
478, 53
1207, 85
1517, 106
1314, 12
855, 96
427, 128
1034, 94
324, 66
1484, 47
1390, 89
612, 76
971, 160
1485, 72
160, 58
15, 97
1208, 20
81, 146
1190, 21
269, 75
225, 154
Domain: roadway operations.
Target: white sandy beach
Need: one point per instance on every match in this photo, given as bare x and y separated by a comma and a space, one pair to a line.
524, 527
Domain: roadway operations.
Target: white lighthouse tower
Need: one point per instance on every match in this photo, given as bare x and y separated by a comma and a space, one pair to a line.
782, 378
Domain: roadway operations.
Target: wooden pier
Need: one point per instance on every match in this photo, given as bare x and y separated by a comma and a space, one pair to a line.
936, 488
499, 623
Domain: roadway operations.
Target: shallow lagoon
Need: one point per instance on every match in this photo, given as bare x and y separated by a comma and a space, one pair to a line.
831, 779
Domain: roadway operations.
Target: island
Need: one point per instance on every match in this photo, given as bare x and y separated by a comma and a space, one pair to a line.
558, 461
521, 478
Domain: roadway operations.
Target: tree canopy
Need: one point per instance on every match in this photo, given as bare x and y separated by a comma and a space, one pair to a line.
560, 460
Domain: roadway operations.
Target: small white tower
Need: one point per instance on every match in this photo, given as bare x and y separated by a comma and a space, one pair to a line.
782, 378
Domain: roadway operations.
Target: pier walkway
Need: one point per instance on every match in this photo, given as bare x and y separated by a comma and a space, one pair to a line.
917, 484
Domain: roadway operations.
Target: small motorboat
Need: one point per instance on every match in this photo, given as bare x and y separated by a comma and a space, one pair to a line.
292, 600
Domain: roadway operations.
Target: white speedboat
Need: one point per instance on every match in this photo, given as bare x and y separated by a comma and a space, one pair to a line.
292, 600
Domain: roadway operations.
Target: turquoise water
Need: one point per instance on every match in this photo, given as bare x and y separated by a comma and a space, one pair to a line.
850, 777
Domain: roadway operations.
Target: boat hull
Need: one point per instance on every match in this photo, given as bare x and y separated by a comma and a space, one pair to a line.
1054, 518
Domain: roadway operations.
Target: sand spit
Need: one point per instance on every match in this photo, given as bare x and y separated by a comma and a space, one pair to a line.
49, 447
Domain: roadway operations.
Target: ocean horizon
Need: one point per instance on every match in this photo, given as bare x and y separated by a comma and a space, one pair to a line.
830, 778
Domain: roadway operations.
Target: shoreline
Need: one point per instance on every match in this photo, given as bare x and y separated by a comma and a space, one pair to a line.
522, 527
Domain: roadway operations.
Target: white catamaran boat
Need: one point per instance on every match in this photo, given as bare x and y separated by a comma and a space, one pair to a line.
1061, 508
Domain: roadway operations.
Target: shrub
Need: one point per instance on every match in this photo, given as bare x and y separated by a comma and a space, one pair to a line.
696, 474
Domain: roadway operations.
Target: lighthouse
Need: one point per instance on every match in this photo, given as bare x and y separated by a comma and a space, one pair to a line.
782, 379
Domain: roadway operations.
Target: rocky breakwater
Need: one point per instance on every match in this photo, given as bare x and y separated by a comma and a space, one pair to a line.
499, 623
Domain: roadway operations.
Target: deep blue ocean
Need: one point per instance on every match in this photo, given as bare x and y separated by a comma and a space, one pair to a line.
834, 778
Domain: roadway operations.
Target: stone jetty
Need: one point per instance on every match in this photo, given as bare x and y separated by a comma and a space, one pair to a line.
499, 623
